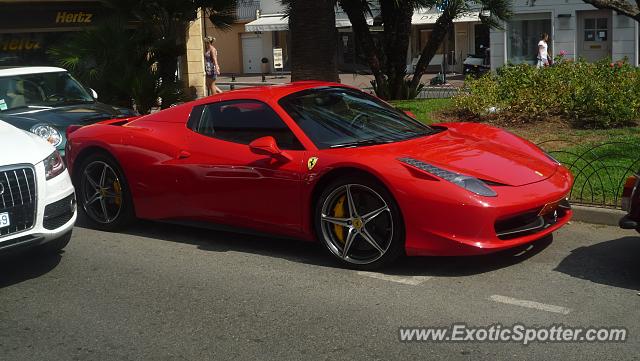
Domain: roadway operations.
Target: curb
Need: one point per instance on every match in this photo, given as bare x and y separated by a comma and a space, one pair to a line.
596, 215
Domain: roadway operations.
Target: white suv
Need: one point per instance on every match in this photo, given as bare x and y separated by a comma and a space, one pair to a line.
37, 199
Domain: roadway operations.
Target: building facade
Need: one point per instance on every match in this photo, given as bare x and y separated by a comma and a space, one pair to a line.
576, 29
262, 27
467, 36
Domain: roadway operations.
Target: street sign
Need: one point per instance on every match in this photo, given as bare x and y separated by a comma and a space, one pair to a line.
277, 59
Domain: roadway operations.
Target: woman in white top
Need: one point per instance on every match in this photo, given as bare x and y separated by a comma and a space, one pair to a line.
543, 51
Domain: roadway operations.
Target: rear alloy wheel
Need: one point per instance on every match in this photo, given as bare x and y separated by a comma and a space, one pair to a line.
104, 194
359, 223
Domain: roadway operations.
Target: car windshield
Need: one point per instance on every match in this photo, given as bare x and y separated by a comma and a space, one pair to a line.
41, 90
335, 117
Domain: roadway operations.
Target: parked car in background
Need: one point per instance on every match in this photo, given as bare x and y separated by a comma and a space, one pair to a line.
631, 203
46, 100
320, 161
37, 199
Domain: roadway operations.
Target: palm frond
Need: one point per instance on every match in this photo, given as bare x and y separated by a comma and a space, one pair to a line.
222, 13
495, 12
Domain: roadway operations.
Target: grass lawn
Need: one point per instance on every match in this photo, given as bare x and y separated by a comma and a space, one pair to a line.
424, 109
600, 160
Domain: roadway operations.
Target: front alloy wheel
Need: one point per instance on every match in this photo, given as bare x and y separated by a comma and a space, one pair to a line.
103, 193
360, 224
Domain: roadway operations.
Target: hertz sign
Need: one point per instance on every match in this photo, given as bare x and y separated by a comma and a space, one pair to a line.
73, 18
51, 15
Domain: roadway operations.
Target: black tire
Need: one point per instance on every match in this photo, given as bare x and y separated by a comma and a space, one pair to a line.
115, 220
56, 245
393, 240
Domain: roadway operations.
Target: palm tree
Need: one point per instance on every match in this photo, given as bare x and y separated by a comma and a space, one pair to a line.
388, 62
106, 57
140, 63
492, 12
167, 21
313, 39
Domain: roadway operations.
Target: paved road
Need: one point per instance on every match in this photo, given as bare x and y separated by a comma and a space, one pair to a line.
163, 292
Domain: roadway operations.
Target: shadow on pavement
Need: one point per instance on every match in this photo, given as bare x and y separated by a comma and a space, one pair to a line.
20, 267
613, 263
215, 240
468, 265
315, 254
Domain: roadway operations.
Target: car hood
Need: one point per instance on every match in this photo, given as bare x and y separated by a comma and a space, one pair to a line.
61, 117
483, 152
19, 146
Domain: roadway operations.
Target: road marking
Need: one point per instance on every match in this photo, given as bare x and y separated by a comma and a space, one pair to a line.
530, 304
406, 280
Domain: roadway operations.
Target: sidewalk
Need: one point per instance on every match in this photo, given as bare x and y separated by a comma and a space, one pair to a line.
356, 80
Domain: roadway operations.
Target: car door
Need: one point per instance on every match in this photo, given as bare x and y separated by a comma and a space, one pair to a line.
232, 183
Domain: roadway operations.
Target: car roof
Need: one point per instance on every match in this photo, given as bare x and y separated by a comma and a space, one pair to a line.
24, 70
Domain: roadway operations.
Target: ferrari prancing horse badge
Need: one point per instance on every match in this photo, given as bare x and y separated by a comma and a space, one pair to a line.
312, 162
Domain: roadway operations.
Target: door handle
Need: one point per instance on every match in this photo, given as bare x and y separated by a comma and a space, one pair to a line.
184, 154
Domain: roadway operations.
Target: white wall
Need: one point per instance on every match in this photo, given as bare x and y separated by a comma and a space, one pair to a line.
498, 40
271, 7
267, 47
624, 35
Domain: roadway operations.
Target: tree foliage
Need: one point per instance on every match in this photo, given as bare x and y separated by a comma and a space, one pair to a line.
628, 8
134, 53
388, 58
388, 61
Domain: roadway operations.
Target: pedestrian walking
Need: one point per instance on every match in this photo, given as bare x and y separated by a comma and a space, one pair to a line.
543, 51
211, 66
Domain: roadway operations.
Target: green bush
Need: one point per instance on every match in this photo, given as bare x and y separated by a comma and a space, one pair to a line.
483, 95
588, 95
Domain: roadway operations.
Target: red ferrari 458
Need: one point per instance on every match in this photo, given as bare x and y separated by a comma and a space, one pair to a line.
321, 161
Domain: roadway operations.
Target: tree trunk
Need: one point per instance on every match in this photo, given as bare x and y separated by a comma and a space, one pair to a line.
375, 58
396, 16
312, 25
443, 24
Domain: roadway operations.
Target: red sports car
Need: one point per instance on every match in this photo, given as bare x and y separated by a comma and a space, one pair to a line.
320, 161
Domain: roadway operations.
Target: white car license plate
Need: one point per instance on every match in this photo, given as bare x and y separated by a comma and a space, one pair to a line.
4, 220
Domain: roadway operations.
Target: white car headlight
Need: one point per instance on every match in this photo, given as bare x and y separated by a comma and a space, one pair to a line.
53, 165
48, 133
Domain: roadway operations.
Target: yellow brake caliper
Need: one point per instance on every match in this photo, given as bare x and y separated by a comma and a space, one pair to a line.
118, 190
339, 212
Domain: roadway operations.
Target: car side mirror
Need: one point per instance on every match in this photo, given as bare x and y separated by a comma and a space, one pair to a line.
268, 146
94, 94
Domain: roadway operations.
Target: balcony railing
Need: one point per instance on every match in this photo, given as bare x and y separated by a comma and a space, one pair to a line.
246, 9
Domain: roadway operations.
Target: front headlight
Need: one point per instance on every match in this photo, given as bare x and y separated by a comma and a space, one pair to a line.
471, 184
53, 165
48, 133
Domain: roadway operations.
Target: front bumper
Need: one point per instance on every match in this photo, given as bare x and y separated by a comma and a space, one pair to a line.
449, 221
55, 215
